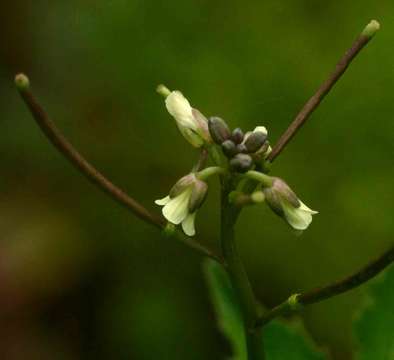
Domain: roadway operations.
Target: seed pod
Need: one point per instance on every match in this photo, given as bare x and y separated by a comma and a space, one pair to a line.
229, 148
255, 141
197, 196
241, 163
218, 129
237, 136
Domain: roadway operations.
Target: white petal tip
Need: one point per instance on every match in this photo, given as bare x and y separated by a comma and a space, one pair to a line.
162, 202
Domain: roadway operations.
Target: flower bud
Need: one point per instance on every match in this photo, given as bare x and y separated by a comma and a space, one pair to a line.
241, 148
237, 135
255, 141
218, 129
198, 195
229, 148
22, 82
257, 197
241, 163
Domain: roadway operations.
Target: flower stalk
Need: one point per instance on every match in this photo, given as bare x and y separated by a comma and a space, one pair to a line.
238, 275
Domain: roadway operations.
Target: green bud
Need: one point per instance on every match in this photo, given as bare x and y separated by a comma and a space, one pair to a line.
293, 302
218, 129
169, 230
371, 29
163, 90
257, 197
182, 184
229, 148
22, 82
241, 163
237, 136
255, 141
198, 195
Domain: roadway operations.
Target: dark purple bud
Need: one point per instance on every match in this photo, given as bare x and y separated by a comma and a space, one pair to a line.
241, 163
241, 148
255, 141
237, 136
229, 148
218, 129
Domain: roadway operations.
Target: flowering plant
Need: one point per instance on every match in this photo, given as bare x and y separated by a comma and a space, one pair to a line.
243, 162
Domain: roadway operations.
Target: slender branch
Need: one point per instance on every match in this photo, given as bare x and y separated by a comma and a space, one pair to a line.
297, 301
324, 89
94, 176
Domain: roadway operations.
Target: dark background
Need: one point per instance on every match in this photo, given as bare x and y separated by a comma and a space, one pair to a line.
80, 277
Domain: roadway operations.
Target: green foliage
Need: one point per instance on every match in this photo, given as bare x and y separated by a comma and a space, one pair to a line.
285, 342
281, 341
375, 327
228, 313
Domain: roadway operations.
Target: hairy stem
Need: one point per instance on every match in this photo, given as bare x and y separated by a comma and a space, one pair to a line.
297, 301
70, 153
324, 89
239, 277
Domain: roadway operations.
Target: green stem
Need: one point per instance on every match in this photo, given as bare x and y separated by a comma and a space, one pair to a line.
239, 277
266, 180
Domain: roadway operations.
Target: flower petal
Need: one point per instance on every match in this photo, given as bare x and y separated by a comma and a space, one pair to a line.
305, 208
179, 107
176, 210
262, 129
188, 224
163, 201
298, 218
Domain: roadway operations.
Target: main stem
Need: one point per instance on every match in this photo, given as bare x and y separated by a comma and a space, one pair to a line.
238, 276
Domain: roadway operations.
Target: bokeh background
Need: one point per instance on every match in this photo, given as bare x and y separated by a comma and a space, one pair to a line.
80, 277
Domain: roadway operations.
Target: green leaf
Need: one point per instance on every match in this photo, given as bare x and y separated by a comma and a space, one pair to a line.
375, 327
228, 313
287, 342
281, 341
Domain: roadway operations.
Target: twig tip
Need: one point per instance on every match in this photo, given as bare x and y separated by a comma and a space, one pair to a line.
22, 82
371, 29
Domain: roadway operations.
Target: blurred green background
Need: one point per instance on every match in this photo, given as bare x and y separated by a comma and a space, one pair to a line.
80, 277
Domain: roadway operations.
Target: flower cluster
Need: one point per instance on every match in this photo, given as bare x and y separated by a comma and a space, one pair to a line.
242, 153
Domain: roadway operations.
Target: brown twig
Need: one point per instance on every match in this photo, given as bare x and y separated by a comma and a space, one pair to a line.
64, 146
297, 301
324, 89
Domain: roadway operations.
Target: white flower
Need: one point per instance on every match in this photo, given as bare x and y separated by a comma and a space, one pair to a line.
181, 205
191, 123
286, 204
